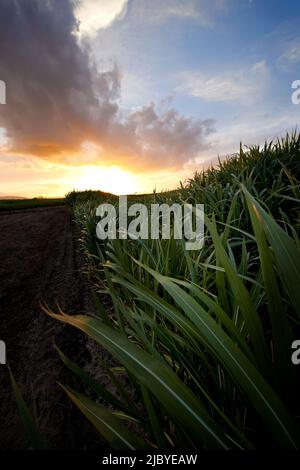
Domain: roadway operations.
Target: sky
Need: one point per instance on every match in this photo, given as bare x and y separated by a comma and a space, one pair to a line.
131, 95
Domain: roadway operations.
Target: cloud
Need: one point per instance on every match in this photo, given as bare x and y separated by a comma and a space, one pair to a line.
202, 11
292, 53
93, 15
53, 89
59, 105
243, 86
166, 136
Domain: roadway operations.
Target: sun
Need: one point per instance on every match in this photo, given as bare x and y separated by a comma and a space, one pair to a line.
112, 180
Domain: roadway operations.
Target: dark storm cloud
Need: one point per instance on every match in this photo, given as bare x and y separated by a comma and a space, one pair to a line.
50, 80
56, 98
166, 138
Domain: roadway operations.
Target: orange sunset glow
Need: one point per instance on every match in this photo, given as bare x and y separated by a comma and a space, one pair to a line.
101, 97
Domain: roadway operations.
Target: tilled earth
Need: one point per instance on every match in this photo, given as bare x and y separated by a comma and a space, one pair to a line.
40, 262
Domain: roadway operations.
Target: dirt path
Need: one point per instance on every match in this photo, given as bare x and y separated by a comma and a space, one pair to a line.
39, 261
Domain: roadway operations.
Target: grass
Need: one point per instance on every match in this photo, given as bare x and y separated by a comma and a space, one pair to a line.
203, 336
21, 204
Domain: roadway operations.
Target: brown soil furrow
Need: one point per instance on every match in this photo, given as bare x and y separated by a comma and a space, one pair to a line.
38, 263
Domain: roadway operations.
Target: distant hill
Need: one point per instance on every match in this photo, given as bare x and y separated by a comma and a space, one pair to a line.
18, 203
10, 198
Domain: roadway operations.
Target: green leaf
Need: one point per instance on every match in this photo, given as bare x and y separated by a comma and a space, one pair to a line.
281, 335
25, 415
267, 404
93, 384
155, 419
106, 423
178, 401
286, 251
243, 299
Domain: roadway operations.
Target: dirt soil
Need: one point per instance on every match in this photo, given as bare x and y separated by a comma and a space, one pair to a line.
40, 261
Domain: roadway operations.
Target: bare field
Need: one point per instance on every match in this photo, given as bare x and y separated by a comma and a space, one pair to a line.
39, 262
